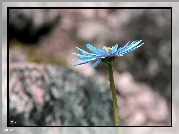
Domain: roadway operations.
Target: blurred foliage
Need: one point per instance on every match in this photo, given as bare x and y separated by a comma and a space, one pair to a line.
37, 55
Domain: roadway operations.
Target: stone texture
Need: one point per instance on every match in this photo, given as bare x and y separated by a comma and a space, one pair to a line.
57, 96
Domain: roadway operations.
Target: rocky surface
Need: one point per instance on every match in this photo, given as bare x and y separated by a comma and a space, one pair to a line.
57, 96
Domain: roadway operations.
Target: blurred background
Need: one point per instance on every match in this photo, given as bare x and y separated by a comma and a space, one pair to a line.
45, 89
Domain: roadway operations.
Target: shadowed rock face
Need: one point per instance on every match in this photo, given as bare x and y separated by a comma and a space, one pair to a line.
57, 96
28, 25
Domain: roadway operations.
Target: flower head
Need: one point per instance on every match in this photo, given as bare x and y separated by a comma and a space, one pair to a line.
106, 52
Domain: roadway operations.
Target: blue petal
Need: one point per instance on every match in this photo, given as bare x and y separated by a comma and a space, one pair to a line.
104, 47
94, 49
87, 58
83, 51
85, 61
75, 59
114, 49
103, 53
96, 63
132, 49
129, 48
133, 44
124, 47
109, 52
118, 52
77, 54
84, 55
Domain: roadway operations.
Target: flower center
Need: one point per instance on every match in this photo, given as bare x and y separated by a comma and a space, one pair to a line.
109, 48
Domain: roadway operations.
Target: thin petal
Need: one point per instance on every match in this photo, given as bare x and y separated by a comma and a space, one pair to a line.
93, 49
85, 61
134, 44
87, 58
114, 49
124, 47
75, 59
84, 55
77, 54
118, 52
129, 48
83, 51
103, 53
109, 52
132, 49
104, 47
96, 63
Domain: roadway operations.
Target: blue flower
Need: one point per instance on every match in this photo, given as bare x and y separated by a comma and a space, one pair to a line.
105, 52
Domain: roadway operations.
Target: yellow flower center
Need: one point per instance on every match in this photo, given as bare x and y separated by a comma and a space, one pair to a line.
109, 48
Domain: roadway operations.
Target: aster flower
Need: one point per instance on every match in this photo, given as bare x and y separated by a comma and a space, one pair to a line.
106, 52
107, 55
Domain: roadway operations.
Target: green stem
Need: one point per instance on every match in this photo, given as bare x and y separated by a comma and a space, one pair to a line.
111, 79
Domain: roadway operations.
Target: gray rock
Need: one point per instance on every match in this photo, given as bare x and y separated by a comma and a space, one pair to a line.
29, 25
57, 96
